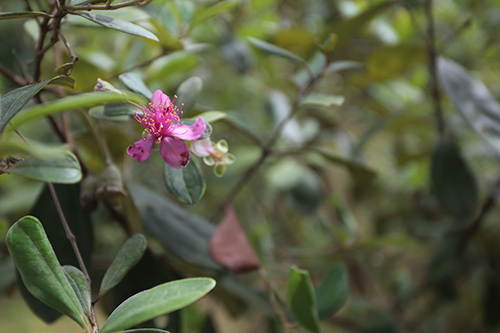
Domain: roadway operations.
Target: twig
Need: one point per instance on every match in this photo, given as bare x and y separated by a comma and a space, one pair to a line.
431, 49
72, 239
110, 7
74, 57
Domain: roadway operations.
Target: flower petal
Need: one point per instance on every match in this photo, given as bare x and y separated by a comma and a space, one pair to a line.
141, 149
174, 152
159, 98
202, 148
190, 133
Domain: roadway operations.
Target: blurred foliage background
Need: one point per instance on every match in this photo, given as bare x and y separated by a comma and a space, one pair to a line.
376, 169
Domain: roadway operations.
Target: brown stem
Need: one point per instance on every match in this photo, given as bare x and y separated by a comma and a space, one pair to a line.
431, 50
90, 7
74, 57
72, 239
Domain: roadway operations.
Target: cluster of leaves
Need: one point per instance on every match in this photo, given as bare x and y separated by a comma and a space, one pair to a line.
352, 162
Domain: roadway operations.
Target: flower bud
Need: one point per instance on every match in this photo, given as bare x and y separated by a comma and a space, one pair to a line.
110, 186
88, 199
105, 86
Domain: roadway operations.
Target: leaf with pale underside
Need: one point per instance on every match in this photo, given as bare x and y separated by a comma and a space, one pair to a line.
80, 286
157, 301
118, 24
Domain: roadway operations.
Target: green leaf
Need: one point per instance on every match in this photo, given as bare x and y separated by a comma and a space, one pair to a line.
13, 101
188, 93
62, 168
64, 68
69, 103
472, 99
64, 81
333, 292
212, 116
185, 184
145, 330
206, 13
80, 286
453, 182
41, 272
273, 49
180, 232
157, 301
179, 61
135, 84
98, 112
118, 24
6, 16
119, 109
302, 299
128, 256
323, 100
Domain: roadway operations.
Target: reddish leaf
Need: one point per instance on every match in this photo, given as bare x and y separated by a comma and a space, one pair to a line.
230, 247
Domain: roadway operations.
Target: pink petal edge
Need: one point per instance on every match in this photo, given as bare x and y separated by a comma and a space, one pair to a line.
174, 152
159, 98
141, 149
190, 133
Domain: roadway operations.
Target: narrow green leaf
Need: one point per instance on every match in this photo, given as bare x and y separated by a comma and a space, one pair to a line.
145, 330
473, 100
302, 299
206, 13
62, 168
212, 116
80, 286
119, 109
41, 272
185, 184
323, 100
183, 234
98, 112
118, 24
135, 84
453, 182
6, 16
13, 101
69, 103
157, 301
333, 292
188, 93
273, 49
129, 255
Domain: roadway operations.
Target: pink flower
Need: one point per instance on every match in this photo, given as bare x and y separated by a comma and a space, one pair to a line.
163, 125
214, 154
